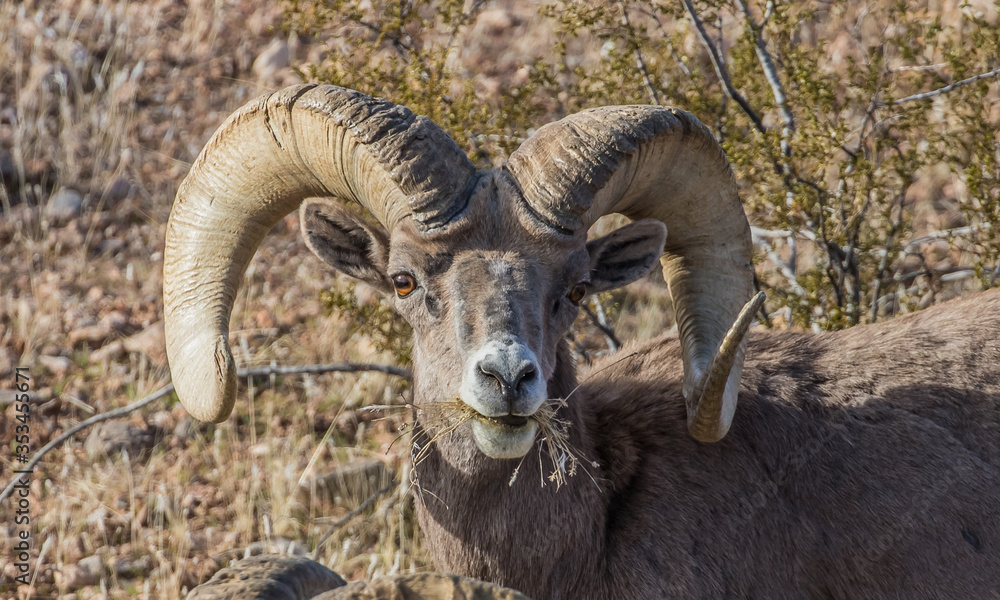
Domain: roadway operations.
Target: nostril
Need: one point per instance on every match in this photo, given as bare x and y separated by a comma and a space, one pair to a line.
527, 374
493, 374
507, 378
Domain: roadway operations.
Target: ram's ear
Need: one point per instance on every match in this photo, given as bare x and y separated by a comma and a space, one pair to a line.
346, 242
625, 254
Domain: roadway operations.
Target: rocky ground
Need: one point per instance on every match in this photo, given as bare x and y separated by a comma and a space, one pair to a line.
103, 106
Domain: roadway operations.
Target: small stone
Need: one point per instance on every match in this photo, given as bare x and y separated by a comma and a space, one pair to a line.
63, 205
117, 190
6, 362
163, 419
150, 341
112, 246
107, 353
272, 60
112, 438
185, 428
94, 294
7, 167
495, 21
109, 325
132, 568
86, 572
58, 365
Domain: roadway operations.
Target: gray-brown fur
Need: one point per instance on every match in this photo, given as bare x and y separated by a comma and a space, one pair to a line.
862, 464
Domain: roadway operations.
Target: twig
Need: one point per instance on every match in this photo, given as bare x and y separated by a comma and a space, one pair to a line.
915, 243
720, 69
666, 39
341, 521
111, 414
951, 86
602, 324
320, 369
654, 98
884, 263
771, 73
758, 232
169, 388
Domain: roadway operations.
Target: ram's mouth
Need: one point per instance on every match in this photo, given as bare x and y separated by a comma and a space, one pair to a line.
509, 436
513, 421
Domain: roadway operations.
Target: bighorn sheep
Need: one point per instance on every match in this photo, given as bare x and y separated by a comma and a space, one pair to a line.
861, 464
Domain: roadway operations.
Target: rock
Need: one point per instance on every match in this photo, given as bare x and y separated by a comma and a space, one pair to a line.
9, 397
8, 170
162, 419
268, 577
109, 325
117, 190
112, 438
185, 428
495, 21
46, 77
58, 365
273, 59
355, 480
112, 246
132, 568
6, 362
422, 586
150, 341
107, 353
63, 206
86, 572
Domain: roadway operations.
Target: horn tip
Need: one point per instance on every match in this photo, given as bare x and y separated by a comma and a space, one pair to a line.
206, 385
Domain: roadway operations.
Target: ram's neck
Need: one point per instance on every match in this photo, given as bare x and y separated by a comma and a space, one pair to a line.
510, 521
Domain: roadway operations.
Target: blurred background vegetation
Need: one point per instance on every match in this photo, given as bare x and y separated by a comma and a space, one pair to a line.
863, 135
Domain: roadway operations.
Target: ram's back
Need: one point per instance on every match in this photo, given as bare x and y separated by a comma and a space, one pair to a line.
861, 464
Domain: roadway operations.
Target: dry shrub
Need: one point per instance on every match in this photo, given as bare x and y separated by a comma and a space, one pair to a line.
867, 201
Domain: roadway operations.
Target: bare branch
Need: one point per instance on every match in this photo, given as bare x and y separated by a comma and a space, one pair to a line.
320, 369
951, 86
602, 324
758, 232
654, 98
666, 39
944, 234
720, 68
771, 73
346, 518
884, 263
169, 388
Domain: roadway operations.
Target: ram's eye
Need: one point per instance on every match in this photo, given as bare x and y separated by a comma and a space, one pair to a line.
404, 284
577, 293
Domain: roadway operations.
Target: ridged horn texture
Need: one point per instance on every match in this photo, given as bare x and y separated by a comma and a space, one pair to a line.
660, 163
304, 141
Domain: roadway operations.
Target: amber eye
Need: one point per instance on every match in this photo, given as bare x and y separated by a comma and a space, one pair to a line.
404, 284
577, 293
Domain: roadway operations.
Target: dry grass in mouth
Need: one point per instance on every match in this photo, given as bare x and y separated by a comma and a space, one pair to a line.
553, 433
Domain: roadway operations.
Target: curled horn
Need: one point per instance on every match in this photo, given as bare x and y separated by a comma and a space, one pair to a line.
275, 151
661, 163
